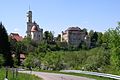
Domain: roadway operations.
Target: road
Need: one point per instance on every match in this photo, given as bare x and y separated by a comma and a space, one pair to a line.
54, 76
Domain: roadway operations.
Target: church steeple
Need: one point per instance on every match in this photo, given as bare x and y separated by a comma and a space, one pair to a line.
33, 30
29, 16
29, 22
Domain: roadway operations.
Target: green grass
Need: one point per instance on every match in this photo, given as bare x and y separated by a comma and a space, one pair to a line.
20, 76
79, 74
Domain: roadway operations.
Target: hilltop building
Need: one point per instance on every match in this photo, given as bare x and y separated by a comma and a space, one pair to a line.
75, 36
33, 30
16, 37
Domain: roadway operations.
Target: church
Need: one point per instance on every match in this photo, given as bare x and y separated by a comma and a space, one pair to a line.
33, 29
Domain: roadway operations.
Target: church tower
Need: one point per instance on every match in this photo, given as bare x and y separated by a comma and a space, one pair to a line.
29, 23
33, 30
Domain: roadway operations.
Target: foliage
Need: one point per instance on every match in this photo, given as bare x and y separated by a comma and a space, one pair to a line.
5, 46
97, 59
114, 45
48, 36
1, 60
94, 39
18, 48
32, 60
99, 41
29, 44
57, 60
20, 76
58, 38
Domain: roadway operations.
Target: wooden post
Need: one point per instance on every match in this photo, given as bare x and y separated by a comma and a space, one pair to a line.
5, 79
16, 72
6, 76
13, 72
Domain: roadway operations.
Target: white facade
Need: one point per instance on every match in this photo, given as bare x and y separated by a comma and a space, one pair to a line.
33, 30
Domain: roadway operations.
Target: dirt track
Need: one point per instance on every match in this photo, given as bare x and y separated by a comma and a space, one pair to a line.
54, 76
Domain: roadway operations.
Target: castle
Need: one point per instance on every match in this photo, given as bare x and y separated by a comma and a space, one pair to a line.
33, 29
75, 36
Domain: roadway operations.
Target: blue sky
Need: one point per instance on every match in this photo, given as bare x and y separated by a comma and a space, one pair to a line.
58, 15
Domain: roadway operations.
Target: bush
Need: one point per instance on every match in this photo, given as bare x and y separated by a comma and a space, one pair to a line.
1, 60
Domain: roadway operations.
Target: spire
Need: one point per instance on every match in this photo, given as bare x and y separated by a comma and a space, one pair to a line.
29, 15
29, 7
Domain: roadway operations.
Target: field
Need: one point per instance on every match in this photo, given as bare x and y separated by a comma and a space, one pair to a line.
16, 76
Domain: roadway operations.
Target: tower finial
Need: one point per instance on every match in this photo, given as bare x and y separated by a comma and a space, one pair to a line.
29, 7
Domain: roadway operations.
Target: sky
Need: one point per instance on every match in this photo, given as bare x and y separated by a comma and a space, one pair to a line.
58, 15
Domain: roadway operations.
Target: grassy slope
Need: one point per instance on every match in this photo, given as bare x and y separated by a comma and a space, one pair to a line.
20, 76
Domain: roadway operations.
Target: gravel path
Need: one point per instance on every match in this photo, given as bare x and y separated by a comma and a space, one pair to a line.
54, 76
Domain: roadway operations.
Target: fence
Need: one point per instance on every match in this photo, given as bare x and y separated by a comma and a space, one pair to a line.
12, 71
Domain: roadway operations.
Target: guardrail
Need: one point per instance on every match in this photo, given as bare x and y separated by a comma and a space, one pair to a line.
94, 73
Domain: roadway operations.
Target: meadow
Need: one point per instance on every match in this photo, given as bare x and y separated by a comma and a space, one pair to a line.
16, 76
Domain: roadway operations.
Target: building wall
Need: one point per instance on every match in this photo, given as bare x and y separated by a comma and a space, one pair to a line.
37, 36
64, 37
29, 26
73, 36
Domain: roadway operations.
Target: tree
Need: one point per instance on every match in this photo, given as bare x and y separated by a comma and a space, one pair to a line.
20, 48
94, 38
114, 45
5, 46
1, 60
105, 37
91, 33
99, 41
42, 47
85, 30
105, 40
32, 60
58, 39
48, 36
29, 44
97, 59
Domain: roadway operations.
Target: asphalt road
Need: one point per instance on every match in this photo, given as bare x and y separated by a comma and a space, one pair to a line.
54, 76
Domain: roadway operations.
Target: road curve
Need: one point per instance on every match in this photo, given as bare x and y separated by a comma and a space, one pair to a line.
54, 76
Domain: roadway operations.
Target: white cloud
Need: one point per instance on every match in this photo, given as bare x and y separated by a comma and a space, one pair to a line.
16, 30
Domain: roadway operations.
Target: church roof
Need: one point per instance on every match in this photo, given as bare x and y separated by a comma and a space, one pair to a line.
34, 28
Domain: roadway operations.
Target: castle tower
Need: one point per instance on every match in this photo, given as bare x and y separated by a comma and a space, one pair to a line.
29, 23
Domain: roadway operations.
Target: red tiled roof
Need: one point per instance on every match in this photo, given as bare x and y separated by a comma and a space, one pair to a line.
16, 36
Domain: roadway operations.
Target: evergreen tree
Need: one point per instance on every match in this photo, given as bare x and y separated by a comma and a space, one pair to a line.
5, 46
